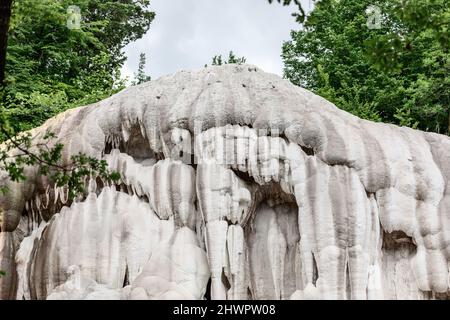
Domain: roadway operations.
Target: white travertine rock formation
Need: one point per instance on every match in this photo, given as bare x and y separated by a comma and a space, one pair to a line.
235, 184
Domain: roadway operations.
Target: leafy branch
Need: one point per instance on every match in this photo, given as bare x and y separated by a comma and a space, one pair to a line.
18, 152
300, 16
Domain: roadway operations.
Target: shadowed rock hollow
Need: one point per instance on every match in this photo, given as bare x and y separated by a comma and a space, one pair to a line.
235, 184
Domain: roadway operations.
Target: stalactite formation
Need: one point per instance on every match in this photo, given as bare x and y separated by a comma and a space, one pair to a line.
235, 184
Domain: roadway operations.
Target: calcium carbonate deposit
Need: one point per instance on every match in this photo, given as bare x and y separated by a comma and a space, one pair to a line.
235, 184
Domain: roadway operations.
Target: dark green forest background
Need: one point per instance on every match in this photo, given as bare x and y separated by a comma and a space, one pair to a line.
398, 73
50, 67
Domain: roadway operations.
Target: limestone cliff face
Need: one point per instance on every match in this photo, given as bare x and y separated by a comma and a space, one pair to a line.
235, 184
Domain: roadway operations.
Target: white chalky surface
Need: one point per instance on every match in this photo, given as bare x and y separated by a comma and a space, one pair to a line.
288, 198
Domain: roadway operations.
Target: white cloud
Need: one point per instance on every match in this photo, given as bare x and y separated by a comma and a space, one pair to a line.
186, 34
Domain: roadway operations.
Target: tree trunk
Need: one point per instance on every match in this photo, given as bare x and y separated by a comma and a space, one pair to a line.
5, 14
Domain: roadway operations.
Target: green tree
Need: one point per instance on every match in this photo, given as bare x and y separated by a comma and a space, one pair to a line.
54, 64
402, 80
141, 76
217, 60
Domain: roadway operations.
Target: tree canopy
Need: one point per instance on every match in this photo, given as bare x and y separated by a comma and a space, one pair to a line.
396, 73
55, 62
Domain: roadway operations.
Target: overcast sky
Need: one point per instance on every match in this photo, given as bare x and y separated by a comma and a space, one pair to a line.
186, 34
